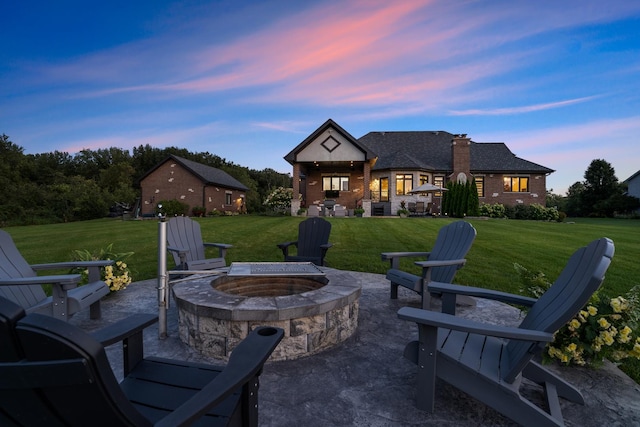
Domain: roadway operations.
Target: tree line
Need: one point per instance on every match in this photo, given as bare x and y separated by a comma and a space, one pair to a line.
60, 187
599, 195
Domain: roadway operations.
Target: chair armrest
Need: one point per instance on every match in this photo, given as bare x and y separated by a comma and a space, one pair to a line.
124, 328
92, 266
394, 257
246, 362
179, 250
72, 264
285, 247
222, 248
129, 332
449, 288
62, 279
448, 321
441, 263
218, 245
326, 246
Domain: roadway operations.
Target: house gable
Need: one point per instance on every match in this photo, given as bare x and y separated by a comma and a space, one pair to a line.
329, 143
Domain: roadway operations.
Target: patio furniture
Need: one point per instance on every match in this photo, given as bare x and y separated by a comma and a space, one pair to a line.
52, 373
328, 207
489, 361
312, 243
20, 283
313, 210
446, 257
339, 211
187, 248
411, 207
420, 209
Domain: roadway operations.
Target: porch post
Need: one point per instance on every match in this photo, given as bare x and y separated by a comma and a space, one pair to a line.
366, 198
295, 201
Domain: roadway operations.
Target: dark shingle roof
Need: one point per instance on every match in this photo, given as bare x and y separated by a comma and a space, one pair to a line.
431, 151
208, 174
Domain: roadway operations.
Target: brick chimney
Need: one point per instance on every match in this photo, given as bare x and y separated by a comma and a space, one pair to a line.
461, 157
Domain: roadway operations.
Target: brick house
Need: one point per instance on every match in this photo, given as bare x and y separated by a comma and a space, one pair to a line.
192, 183
378, 170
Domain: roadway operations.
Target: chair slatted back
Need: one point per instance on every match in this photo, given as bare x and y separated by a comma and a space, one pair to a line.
64, 377
183, 232
13, 266
453, 242
581, 277
312, 233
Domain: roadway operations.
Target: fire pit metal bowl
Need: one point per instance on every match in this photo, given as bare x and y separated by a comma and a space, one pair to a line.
317, 309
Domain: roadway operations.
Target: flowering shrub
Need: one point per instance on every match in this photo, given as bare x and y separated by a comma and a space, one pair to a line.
116, 276
279, 199
605, 328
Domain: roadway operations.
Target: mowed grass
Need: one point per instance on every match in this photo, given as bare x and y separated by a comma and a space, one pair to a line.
357, 244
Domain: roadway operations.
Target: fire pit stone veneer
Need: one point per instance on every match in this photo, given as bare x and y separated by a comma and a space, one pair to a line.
214, 322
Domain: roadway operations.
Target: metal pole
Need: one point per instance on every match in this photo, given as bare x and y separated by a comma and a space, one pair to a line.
163, 282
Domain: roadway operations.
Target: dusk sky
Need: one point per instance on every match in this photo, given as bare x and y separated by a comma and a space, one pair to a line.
557, 81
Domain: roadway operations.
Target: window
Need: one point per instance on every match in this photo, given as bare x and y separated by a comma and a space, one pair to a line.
424, 179
384, 189
227, 199
439, 182
516, 184
335, 183
404, 183
480, 185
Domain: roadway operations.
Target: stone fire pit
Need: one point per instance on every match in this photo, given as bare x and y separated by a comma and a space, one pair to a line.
316, 310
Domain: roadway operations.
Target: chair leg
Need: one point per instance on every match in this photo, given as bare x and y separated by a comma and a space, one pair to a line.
540, 375
394, 290
95, 311
427, 352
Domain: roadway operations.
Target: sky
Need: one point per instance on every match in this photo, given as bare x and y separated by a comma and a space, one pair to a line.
557, 81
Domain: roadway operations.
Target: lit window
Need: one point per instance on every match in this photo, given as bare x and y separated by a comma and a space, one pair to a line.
384, 189
480, 185
404, 183
424, 179
335, 183
516, 184
438, 181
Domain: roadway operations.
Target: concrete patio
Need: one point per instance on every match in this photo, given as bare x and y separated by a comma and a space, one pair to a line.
365, 381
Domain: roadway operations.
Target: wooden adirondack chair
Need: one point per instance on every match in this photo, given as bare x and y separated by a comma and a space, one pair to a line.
446, 257
54, 374
312, 243
489, 361
20, 283
184, 241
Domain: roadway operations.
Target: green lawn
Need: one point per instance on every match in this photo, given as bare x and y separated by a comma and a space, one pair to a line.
358, 242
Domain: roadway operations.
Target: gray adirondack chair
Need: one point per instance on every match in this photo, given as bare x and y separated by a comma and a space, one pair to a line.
20, 283
446, 257
312, 243
52, 373
184, 240
489, 361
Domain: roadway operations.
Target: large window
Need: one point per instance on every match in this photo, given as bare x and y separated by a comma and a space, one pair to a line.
438, 181
480, 185
516, 184
404, 183
384, 189
335, 183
